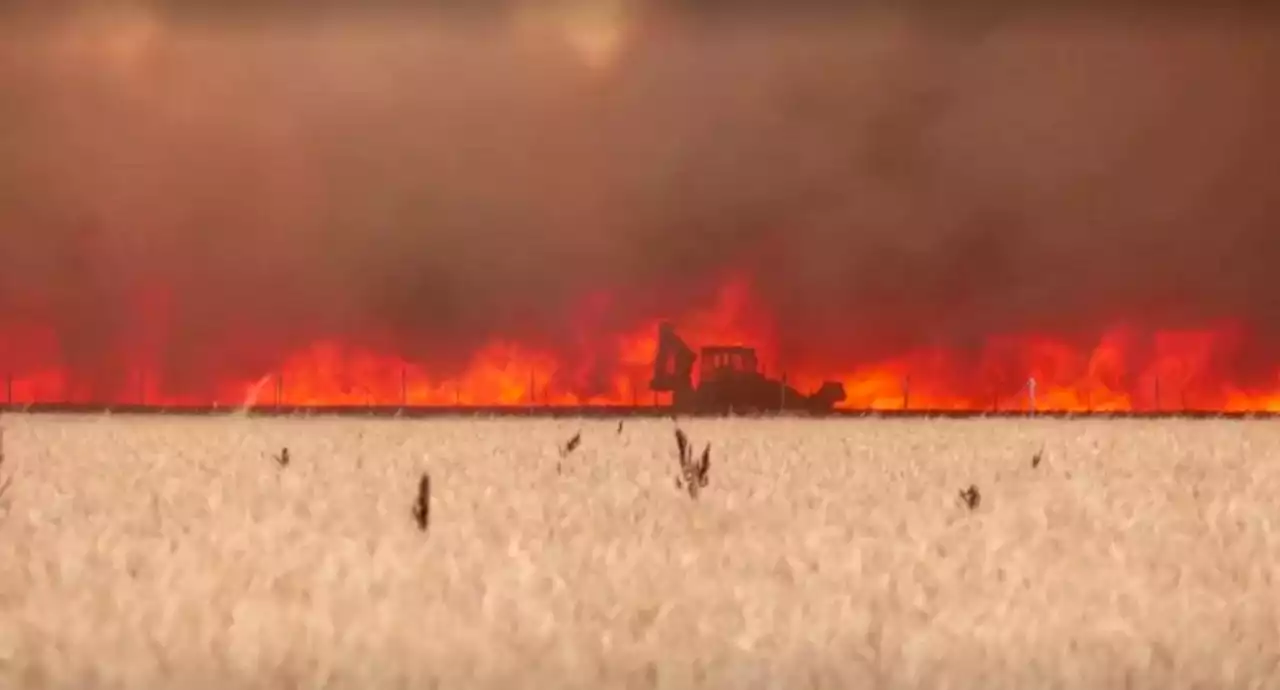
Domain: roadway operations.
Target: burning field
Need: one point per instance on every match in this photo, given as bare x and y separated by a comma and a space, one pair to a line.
198, 553
250, 206
212, 205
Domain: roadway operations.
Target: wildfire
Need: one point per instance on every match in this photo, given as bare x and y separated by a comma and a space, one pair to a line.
1124, 370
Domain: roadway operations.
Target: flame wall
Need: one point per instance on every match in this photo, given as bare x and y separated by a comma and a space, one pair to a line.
392, 206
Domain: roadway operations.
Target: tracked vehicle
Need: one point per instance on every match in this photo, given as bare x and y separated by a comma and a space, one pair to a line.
729, 381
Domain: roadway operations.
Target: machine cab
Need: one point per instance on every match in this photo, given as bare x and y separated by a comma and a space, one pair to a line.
721, 364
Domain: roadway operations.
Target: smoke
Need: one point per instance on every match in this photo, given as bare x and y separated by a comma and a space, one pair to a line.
219, 191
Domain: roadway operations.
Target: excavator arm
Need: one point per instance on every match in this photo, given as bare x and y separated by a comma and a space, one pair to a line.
673, 365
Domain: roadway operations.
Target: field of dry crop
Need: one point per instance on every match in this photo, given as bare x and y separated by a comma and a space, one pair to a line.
159, 552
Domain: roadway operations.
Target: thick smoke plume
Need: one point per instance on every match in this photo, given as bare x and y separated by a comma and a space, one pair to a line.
220, 190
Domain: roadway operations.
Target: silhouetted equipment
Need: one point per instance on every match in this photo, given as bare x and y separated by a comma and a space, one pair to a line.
729, 380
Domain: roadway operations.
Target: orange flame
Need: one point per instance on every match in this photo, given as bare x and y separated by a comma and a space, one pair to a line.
1170, 370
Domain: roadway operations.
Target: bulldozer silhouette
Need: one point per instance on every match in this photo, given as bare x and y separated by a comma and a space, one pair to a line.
729, 381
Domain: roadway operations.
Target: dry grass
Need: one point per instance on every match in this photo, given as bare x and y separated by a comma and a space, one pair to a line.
176, 553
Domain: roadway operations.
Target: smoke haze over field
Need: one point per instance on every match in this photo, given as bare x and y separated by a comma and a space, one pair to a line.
224, 191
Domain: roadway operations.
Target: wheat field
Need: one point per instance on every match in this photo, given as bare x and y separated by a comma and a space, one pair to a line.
169, 552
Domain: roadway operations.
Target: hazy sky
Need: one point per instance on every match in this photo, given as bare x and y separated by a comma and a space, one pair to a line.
884, 179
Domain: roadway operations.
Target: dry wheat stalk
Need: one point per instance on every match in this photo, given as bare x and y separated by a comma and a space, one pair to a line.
422, 506
693, 473
569, 446
8, 481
